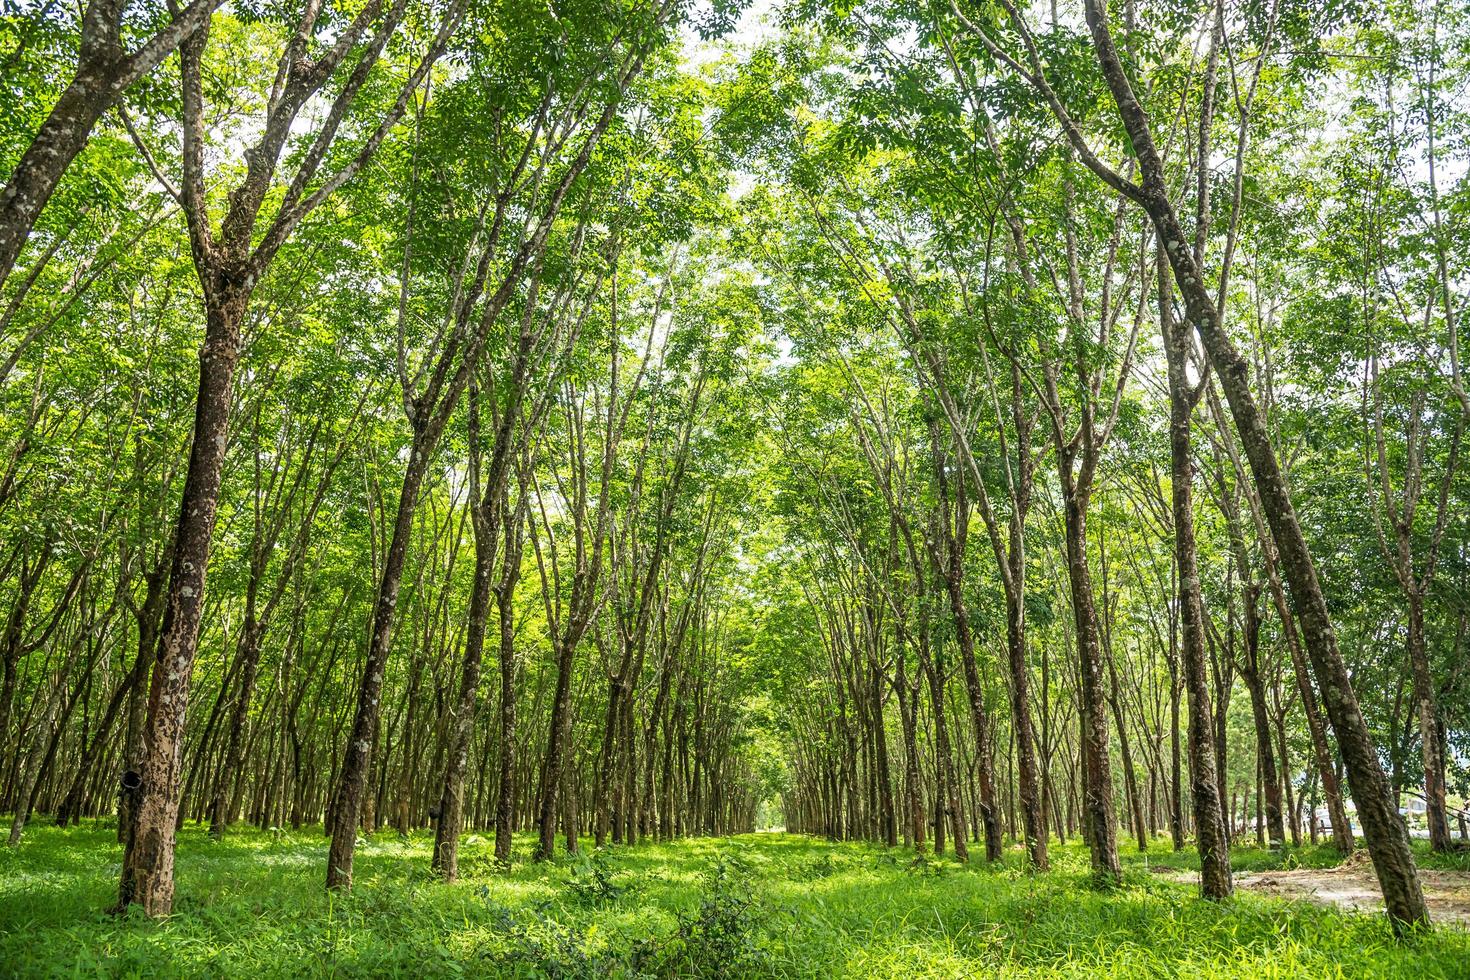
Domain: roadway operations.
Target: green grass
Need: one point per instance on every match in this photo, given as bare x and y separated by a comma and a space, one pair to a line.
760, 905
1249, 857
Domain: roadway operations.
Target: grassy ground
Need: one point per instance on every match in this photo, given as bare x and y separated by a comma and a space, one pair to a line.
1245, 857
761, 905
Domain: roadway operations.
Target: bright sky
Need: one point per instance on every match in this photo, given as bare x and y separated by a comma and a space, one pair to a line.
756, 24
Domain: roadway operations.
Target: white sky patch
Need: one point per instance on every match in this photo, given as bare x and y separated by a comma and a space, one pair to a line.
757, 25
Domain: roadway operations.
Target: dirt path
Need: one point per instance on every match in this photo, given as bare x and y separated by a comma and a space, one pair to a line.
1353, 885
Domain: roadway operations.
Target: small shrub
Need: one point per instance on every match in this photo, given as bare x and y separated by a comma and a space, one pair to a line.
824, 866
721, 938
481, 864
924, 866
541, 947
593, 882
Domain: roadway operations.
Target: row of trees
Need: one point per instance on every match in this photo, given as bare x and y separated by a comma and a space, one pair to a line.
1073, 283
963, 423
493, 383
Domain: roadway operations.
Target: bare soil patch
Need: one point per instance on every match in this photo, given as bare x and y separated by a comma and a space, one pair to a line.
1353, 885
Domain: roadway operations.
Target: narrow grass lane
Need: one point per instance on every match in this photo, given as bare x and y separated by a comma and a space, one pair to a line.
764, 905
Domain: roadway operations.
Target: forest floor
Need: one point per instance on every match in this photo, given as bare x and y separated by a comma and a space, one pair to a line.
1352, 885
763, 905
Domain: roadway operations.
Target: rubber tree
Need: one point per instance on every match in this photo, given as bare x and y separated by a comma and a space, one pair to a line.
541, 175
1211, 838
105, 70
230, 261
1385, 834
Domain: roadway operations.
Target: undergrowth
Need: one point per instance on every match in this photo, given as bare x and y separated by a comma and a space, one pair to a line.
765, 905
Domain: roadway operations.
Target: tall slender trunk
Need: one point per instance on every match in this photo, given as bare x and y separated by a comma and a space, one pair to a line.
1033, 815
887, 819
505, 604
1322, 757
1176, 787
148, 617
222, 809
72, 802
347, 804
1342, 828
43, 744
953, 525
1387, 837
1209, 819
607, 760
1256, 686
946, 795
559, 733
908, 704
148, 861
1431, 727
1099, 816
980, 721
12, 644
1125, 751
462, 722
1293, 811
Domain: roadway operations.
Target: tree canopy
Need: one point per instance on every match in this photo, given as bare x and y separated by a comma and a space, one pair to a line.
965, 426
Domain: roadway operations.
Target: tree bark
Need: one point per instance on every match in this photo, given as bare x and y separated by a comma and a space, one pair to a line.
1101, 822
462, 721
221, 809
954, 524
148, 617
1209, 819
1326, 769
559, 733
347, 805
148, 861
946, 791
1431, 727
71, 803
1256, 686
1386, 835
505, 604
104, 72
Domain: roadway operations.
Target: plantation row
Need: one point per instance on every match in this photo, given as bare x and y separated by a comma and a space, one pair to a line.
959, 426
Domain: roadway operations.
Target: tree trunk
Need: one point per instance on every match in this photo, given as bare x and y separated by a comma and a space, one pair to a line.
505, 798
148, 862
946, 795
12, 646
1255, 684
71, 803
222, 809
1204, 787
887, 819
149, 627
1176, 788
558, 735
1431, 730
347, 805
1342, 831
1098, 815
908, 702
1125, 751
1033, 815
1388, 840
980, 721
462, 720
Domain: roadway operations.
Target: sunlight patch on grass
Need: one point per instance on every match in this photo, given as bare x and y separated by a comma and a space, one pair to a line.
763, 905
